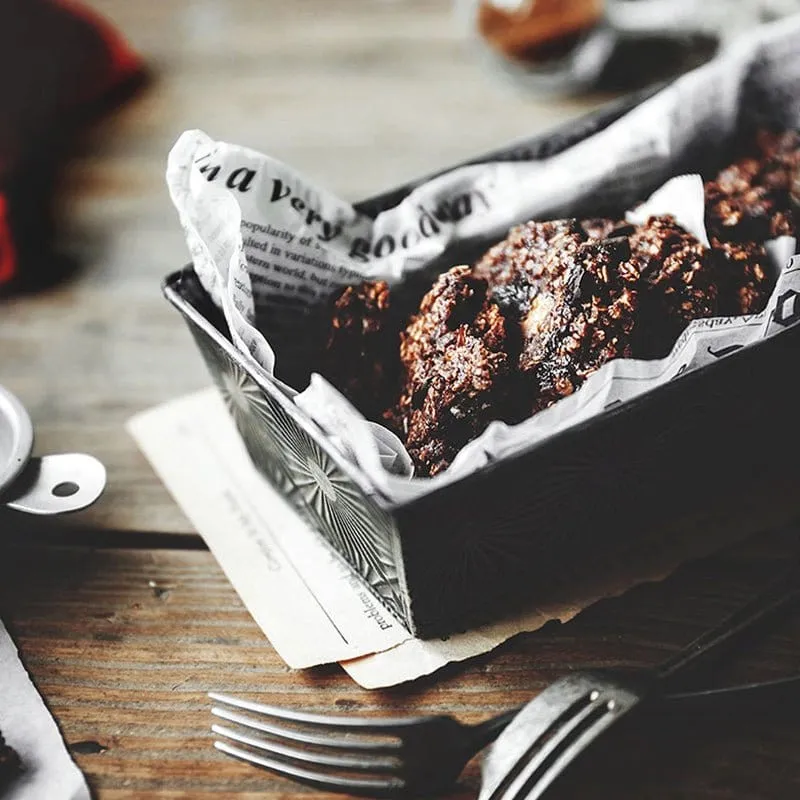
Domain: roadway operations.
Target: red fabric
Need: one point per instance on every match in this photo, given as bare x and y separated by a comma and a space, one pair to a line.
7, 257
121, 61
61, 65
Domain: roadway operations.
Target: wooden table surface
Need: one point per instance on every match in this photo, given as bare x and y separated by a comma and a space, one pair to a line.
121, 615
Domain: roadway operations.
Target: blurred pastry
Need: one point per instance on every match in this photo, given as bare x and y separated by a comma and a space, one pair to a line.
744, 277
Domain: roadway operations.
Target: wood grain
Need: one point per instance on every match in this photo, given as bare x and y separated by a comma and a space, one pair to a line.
358, 95
124, 644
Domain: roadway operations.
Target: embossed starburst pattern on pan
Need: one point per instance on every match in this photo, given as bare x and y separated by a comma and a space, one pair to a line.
309, 478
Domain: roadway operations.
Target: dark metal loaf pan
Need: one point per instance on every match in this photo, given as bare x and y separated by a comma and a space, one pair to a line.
517, 530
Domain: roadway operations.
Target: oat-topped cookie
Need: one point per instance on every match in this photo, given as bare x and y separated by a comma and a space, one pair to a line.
677, 281
743, 277
456, 369
569, 301
582, 318
516, 268
753, 199
361, 356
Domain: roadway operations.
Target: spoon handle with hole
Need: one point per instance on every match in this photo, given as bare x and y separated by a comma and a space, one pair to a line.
56, 484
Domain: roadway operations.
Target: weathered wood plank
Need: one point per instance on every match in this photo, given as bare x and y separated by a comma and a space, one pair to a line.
124, 644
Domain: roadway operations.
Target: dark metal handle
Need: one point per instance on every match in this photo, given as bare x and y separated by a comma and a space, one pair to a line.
731, 632
485, 733
704, 651
736, 699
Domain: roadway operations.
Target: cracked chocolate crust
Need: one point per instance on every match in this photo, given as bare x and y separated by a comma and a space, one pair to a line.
517, 268
583, 318
572, 293
678, 283
456, 370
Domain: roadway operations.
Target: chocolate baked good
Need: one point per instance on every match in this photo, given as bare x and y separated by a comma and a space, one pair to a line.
581, 318
456, 370
569, 298
678, 283
744, 278
553, 302
753, 199
516, 268
361, 356
670, 271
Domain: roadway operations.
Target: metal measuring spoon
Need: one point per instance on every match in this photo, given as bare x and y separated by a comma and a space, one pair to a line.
52, 484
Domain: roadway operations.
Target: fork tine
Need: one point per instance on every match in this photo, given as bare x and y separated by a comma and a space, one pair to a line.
368, 787
361, 763
306, 737
364, 724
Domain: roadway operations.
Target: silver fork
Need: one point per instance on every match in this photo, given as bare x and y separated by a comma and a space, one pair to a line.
377, 757
403, 757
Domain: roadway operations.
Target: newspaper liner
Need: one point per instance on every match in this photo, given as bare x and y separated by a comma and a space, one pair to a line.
267, 244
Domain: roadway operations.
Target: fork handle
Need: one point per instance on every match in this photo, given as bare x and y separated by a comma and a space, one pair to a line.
484, 733
708, 647
732, 631
749, 697
741, 699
